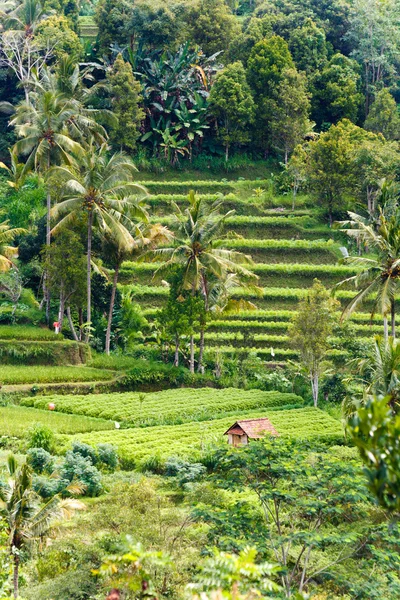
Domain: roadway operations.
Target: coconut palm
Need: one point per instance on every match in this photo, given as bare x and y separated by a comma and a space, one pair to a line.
201, 254
8, 252
378, 373
103, 189
24, 16
26, 518
143, 238
379, 275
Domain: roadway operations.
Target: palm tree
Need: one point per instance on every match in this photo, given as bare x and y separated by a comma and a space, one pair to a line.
144, 237
7, 252
103, 190
379, 275
201, 254
24, 17
26, 519
378, 373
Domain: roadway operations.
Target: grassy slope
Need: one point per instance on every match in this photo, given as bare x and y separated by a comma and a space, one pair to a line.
12, 374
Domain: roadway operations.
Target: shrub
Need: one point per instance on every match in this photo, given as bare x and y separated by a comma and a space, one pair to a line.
40, 460
78, 468
40, 436
85, 450
183, 470
48, 487
107, 456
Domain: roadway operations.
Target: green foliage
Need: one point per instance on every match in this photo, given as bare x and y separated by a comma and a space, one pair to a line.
40, 459
310, 331
231, 102
55, 31
125, 100
40, 436
375, 431
79, 468
383, 116
308, 47
211, 25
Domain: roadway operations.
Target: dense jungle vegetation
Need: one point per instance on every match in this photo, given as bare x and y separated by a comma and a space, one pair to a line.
199, 232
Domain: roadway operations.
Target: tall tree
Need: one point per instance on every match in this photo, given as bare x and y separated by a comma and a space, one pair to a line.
310, 330
200, 253
308, 47
103, 191
268, 60
336, 91
290, 122
211, 25
125, 94
383, 116
231, 102
374, 34
27, 520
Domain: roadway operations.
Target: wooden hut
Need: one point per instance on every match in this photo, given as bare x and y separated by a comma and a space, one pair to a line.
241, 432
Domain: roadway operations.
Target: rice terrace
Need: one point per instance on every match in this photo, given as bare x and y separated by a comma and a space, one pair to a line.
199, 300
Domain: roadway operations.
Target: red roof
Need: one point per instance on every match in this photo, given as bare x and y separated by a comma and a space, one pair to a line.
253, 428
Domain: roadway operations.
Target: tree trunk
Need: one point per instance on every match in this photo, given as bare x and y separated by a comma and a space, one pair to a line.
393, 317
201, 351
314, 387
61, 309
385, 328
71, 325
16, 575
294, 197
89, 278
80, 320
46, 291
191, 364
226, 153
111, 310
176, 358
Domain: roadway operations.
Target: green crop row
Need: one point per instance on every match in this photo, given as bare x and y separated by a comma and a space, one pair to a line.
275, 275
136, 446
12, 375
184, 187
27, 332
362, 329
16, 420
167, 407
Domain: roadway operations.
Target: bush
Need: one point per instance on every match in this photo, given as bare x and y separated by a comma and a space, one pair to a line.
85, 450
40, 460
78, 468
48, 487
107, 456
40, 436
184, 471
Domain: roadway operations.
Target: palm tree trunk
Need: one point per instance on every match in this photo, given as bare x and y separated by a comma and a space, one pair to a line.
16, 575
201, 351
191, 364
385, 328
393, 318
89, 277
61, 309
71, 325
111, 310
176, 358
46, 291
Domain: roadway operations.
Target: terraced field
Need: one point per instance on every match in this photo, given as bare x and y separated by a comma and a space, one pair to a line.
136, 447
289, 249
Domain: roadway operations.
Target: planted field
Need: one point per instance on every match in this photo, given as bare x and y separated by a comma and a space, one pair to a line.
15, 420
137, 446
13, 375
27, 332
167, 407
